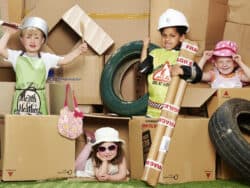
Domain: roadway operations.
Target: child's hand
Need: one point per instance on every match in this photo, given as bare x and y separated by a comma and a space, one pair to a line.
10, 30
207, 55
83, 47
237, 58
103, 177
176, 70
100, 157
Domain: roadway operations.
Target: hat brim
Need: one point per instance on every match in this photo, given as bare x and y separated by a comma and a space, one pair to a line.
107, 140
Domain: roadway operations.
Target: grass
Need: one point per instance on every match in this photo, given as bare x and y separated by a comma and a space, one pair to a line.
130, 184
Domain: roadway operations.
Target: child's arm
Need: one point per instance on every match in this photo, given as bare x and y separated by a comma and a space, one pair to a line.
206, 76
122, 174
144, 52
73, 54
8, 31
246, 76
83, 157
206, 56
101, 173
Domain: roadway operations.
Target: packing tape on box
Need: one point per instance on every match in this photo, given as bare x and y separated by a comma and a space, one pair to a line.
118, 16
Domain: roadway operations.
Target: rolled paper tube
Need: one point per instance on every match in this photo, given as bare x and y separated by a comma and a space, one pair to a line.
166, 123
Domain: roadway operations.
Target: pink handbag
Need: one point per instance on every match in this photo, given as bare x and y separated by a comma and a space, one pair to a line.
70, 122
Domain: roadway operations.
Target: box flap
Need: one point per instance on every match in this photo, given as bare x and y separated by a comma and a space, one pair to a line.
94, 35
104, 116
196, 97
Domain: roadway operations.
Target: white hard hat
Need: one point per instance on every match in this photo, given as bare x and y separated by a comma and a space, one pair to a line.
172, 18
36, 22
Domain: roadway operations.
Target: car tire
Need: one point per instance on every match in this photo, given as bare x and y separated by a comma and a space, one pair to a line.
225, 130
113, 71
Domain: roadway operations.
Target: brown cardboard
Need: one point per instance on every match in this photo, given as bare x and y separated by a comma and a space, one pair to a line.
29, 5
211, 13
191, 156
34, 150
94, 35
6, 96
196, 97
4, 10
95, 121
115, 18
84, 75
125, 21
31, 147
238, 11
241, 38
15, 9
223, 95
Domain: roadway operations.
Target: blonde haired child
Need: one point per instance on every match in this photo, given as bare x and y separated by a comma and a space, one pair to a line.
31, 65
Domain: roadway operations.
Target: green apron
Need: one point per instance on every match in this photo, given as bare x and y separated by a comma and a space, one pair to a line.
30, 97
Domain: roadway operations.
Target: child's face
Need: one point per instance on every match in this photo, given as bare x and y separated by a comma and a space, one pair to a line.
32, 40
170, 38
107, 151
225, 65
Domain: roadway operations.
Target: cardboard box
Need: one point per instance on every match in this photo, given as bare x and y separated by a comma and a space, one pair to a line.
84, 75
223, 95
4, 10
91, 122
7, 96
31, 147
125, 21
93, 34
241, 38
115, 19
191, 156
239, 11
211, 13
15, 10
196, 98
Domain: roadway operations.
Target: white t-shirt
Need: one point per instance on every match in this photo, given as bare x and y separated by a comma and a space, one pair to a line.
50, 60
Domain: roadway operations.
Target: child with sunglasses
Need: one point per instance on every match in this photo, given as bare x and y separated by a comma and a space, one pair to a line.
107, 160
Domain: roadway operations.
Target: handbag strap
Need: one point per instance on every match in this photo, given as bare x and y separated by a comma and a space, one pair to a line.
74, 100
66, 95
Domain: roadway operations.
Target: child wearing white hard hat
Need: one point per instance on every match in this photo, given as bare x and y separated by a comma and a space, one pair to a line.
160, 64
107, 161
31, 65
229, 71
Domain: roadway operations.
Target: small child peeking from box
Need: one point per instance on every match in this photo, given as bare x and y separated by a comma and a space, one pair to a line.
229, 71
107, 160
31, 66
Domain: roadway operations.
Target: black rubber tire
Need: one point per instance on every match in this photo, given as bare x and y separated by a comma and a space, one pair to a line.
111, 77
225, 133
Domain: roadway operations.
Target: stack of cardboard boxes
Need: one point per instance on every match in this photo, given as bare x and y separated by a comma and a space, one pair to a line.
191, 156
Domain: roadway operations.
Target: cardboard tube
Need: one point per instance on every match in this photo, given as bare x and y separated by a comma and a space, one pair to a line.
159, 148
149, 173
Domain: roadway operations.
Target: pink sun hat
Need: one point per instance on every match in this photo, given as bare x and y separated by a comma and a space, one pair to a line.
225, 48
